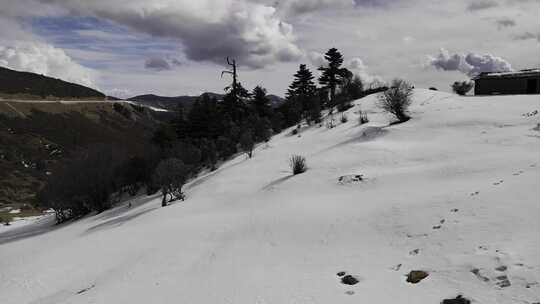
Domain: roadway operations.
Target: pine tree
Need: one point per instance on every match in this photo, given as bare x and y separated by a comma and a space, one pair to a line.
333, 74
246, 143
303, 92
261, 102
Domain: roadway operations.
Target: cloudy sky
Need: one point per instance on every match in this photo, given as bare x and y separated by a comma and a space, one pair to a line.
177, 47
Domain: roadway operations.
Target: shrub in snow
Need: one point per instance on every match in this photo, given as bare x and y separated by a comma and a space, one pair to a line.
331, 123
5, 220
247, 144
397, 99
344, 118
298, 164
170, 176
462, 87
363, 118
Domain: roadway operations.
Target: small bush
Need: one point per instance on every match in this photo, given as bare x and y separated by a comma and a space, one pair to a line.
122, 110
6, 220
247, 144
462, 87
330, 122
170, 175
397, 99
363, 118
344, 118
298, 164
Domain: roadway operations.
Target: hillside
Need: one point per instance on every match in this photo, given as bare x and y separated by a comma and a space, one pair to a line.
33, 86
453, 192
171, 103
36, 136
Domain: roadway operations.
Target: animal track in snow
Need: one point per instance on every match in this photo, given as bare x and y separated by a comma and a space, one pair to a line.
414, 252
481, 277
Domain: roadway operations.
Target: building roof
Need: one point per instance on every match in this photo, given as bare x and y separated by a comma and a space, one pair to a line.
512, 74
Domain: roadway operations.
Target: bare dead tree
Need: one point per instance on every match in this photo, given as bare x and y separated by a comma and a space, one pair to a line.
235, 78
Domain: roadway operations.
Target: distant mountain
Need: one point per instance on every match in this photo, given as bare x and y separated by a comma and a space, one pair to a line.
172, 103
275, 100
112, 98
27, 85
169, 103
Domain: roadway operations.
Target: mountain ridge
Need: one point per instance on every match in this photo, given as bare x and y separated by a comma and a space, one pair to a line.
27, 85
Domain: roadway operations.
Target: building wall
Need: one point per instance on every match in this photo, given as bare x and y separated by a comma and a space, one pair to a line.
502, 86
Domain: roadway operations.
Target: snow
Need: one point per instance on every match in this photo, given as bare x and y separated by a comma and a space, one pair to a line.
451, 192
18, 224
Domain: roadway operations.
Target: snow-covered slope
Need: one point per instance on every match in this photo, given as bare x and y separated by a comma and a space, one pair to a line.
456, 190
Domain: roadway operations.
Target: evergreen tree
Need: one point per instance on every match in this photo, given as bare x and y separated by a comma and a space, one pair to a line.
333, 74
261, 102
235, 102
246, 143
303, 93
355, 88
180, 123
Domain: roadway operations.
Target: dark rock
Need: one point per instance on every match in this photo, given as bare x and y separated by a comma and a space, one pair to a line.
416, 276
501, 268
341, 273
349, 280
351, 179
458, 300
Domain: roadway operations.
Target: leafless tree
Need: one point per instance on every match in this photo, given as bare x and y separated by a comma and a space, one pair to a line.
397, 99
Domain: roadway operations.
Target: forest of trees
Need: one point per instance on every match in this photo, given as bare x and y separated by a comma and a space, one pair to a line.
211, 131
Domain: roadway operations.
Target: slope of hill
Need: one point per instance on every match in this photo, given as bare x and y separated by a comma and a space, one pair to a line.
171, 103
453, 192
34, 86
34, 136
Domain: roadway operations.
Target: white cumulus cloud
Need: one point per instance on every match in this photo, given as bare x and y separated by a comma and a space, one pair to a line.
209, 30
42, 58
468, 63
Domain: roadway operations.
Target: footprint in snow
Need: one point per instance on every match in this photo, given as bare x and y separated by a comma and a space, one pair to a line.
414, 252
481, 277
86, 289
503, 281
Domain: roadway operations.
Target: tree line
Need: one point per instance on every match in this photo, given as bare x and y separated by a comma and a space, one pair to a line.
199, 138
